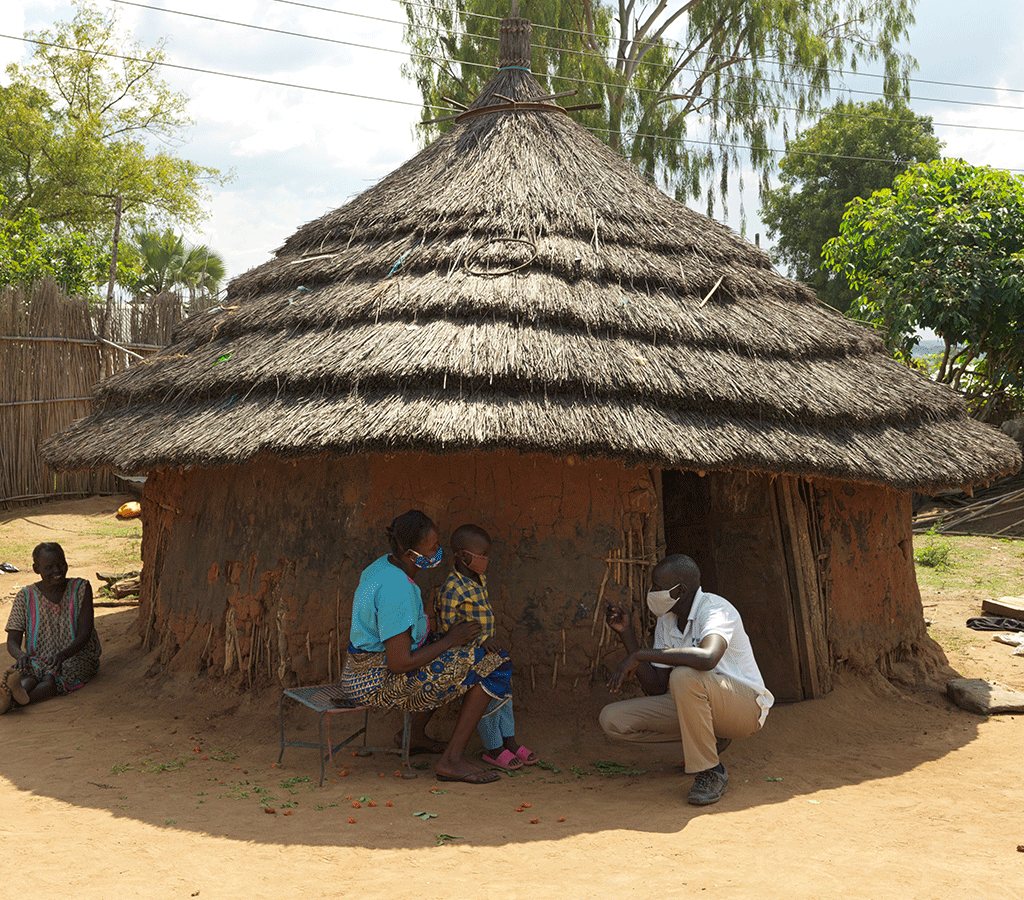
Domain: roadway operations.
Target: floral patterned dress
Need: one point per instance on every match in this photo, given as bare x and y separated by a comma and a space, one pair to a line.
388, 602
49, 628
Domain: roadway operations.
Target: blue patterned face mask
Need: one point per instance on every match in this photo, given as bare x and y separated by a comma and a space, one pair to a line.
424, 562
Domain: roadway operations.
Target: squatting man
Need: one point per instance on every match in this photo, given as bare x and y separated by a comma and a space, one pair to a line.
701, 680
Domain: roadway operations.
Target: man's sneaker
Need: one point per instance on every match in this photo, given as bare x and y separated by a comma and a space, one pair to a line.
708, 787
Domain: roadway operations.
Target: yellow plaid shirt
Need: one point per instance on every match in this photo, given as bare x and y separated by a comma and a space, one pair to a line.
462, 599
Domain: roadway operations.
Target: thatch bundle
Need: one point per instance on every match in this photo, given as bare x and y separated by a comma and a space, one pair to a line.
518, 285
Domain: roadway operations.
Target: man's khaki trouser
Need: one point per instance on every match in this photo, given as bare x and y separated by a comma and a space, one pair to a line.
698, 707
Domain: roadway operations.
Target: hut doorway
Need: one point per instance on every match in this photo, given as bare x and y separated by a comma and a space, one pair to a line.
753, 539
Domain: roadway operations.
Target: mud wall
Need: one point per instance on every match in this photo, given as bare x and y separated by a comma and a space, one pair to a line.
249, 572
876, 623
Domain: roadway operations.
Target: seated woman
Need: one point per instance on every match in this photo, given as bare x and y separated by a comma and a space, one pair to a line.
54, 618
391, 665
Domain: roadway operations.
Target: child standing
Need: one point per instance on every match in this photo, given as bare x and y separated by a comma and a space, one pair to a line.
464, 598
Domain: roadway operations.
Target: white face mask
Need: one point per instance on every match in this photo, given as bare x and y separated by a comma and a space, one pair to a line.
660, 602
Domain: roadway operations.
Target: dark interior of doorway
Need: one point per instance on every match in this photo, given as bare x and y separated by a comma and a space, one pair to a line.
728, 522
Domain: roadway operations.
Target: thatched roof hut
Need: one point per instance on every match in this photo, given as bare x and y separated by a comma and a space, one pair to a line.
515, 296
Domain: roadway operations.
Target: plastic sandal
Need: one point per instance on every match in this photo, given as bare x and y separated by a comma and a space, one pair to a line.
523, 754
506, 760
472, 778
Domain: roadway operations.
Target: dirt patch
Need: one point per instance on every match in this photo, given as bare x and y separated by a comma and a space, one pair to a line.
160, 783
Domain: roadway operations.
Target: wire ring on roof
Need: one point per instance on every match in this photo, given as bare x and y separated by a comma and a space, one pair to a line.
498, 240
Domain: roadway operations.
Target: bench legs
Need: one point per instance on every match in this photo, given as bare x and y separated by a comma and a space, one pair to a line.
327, 749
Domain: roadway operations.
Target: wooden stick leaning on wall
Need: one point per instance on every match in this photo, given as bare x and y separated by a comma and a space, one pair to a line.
600, 598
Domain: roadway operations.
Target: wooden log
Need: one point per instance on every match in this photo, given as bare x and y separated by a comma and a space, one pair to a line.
124, 588
110, 577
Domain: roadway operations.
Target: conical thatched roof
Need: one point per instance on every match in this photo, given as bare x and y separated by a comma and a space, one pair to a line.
519, 285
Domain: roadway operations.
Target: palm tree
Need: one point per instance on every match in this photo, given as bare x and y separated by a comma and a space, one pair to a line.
165, 262
202, 271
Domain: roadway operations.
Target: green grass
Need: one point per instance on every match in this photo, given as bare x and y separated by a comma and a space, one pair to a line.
117, 540
120, 540
17, 553
980, 564
952, 640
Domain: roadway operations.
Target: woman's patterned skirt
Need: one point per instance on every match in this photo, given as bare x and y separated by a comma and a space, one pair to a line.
367, 680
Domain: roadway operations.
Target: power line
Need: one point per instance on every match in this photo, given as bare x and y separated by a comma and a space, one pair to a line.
571, 79
696, 71
170, 65
774, 150
343, 12
331, 91
846, 90
678, 46
675, 44
298, 34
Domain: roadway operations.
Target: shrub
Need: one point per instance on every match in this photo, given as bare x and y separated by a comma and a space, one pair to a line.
935, 554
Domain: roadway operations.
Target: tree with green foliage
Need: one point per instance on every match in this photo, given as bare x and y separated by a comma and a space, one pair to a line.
165, 261
944, 249
88, 120
853, 150
29, 252
741, 69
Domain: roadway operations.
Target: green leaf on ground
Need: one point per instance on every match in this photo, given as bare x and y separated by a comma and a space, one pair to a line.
608, 767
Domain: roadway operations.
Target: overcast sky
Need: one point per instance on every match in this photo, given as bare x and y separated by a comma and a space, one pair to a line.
297, 154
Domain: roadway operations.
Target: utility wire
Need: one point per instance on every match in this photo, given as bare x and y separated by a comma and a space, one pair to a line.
678, 46
571, 79
675, 44
170, 65
342, 12
331, 91
583, 53
775, 150
298, 34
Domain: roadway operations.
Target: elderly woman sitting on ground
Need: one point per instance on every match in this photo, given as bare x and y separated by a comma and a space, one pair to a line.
50, 634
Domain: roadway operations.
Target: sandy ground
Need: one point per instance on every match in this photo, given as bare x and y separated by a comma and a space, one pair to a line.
143, 786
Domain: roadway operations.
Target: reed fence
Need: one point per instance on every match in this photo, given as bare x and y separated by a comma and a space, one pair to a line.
50, 359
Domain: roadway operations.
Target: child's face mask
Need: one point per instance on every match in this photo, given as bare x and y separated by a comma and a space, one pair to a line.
475, 562
660, 602
427, 562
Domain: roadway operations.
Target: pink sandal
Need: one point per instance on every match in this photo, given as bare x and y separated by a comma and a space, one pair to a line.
523, 754
506, 760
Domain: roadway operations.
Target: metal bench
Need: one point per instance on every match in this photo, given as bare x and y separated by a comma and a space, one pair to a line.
322, 699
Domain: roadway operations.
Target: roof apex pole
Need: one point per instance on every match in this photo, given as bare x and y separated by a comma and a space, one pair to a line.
514, 43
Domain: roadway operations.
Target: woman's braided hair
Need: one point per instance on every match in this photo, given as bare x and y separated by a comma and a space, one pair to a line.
408, 531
